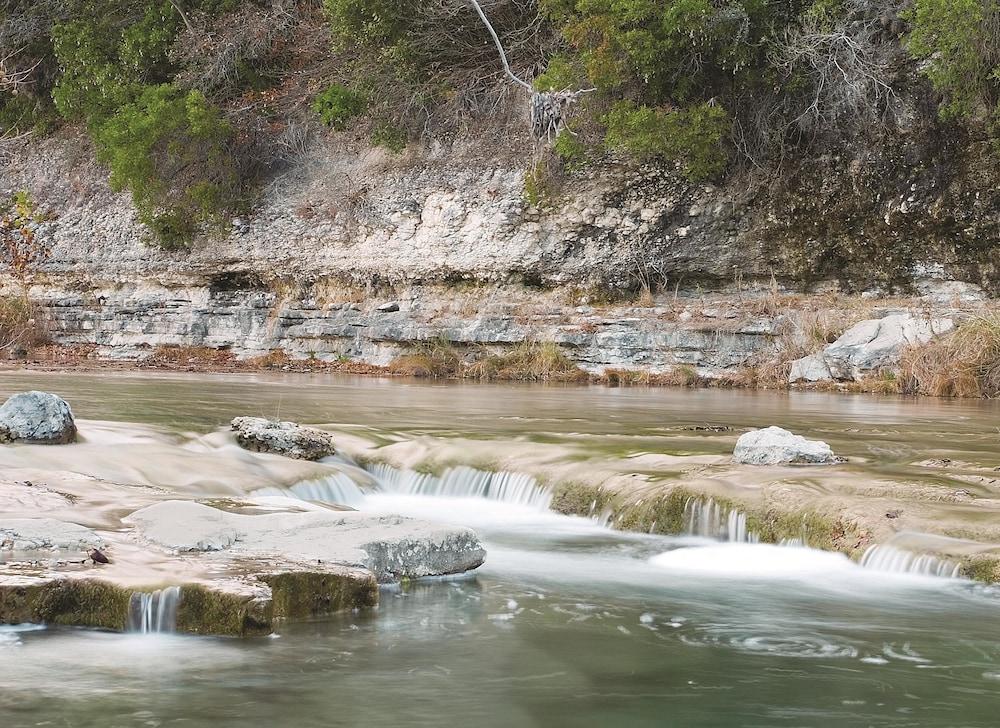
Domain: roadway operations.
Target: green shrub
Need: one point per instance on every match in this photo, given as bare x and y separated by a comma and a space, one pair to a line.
569, 148
962, 56
694, 137
338, 104
561, 74
106, 61
369, 22
168, 148
671, 48
22, 113
388, 135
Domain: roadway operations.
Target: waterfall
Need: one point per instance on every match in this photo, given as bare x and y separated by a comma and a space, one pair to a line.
704, 517
889, 558
154, 611
338, 488
464, 482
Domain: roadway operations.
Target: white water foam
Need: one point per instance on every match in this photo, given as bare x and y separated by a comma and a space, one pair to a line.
896, 560
751, 561
464, 482
154, 612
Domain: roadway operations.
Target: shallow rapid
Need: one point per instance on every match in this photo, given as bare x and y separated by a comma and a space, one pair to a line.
568, 623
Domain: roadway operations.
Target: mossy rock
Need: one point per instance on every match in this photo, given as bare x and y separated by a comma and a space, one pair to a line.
202, 609
982, 568
70, 602
302, 595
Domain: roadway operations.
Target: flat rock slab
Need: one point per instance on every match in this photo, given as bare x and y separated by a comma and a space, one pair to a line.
37, 417
282, 438
46, 534
776, 446
392, 547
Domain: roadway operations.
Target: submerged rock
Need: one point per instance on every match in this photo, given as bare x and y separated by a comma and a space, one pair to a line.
282, 438
867, 347
37, 417
776, 446
392, 547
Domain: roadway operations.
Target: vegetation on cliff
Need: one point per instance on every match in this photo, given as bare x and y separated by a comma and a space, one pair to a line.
192, 103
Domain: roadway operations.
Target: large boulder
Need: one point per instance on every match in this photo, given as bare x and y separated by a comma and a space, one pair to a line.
392, 547
37, 417
282, 438
775, 446
868, 346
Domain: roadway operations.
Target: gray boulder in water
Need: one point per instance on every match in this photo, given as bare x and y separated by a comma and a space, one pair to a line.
282, 438
776, 446
37, 417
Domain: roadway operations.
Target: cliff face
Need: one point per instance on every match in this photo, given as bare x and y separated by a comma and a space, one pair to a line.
448, 236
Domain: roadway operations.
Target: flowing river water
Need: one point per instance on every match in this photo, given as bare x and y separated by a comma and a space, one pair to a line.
568, 623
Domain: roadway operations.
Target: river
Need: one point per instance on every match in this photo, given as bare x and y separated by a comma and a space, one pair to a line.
568, 623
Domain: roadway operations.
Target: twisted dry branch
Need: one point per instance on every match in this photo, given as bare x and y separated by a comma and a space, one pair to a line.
548, 109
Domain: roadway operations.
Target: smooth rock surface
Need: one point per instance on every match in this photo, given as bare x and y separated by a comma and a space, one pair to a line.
776, 446
392, 547
37, 417
867, 347
48, 534
282, 438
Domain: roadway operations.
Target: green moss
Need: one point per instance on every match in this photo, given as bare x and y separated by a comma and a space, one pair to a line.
301, 595
203, 610
579, 499
83, 602
812, 528
655, 514
980, 568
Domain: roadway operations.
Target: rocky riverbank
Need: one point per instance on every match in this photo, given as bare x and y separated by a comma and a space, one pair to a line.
241, 563
749, 339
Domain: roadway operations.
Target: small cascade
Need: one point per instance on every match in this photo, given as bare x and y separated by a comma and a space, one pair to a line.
708, 519
464, 482
889, 558
154, 612
338, 488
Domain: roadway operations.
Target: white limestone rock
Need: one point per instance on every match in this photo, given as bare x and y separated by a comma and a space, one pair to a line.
776, 446
46, 534
392, 547
282, 438
37, 417
867, 347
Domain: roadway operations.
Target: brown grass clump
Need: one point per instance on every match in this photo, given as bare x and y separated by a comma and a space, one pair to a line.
965, 363
275, 359
528, 362
22, 327
200, 357
431, 359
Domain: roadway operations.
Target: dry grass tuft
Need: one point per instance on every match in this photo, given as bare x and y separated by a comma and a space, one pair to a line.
199, 357
22, 327
528, 362
965, 363
275, 359
435, 359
